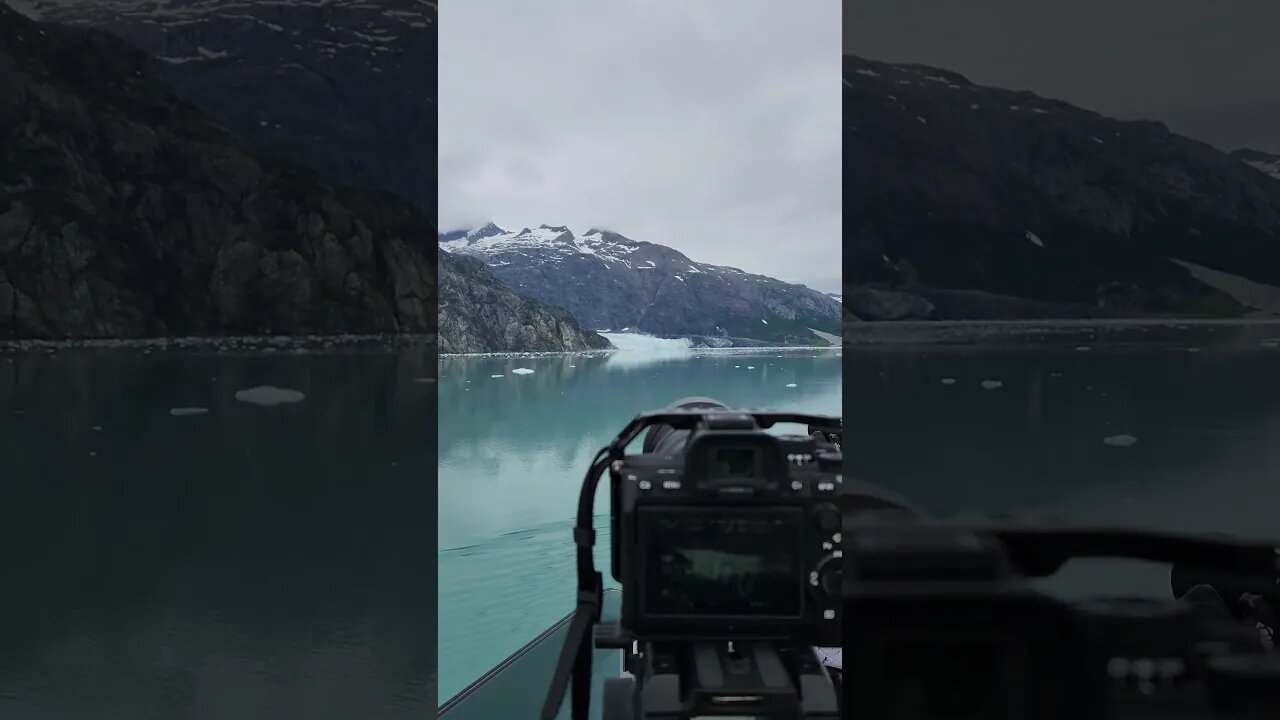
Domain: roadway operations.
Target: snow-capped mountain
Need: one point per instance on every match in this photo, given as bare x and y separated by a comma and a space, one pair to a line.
335, 84
611, 282
1266, 162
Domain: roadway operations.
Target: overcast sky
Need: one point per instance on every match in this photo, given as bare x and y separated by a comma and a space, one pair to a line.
1209, 69
712, 126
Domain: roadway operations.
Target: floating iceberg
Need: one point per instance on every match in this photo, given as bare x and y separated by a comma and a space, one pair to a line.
269, 396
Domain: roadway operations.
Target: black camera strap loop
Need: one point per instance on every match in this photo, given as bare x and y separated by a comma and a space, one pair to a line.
575, 655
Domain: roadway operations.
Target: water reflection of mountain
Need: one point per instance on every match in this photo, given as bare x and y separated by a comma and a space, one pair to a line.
1203, 420
568, 398
245, 544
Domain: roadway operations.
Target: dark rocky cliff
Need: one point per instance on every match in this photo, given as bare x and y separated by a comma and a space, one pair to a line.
339, 85
125, 212
479, 313
963, 201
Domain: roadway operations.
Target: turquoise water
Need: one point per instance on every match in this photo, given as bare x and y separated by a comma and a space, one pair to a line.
513, 452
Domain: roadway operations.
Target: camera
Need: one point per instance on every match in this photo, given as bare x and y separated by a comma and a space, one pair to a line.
945, 622
724, 531
726, 540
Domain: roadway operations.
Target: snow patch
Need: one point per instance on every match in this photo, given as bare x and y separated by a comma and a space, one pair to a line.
1259, 296
1035, 239
830, 338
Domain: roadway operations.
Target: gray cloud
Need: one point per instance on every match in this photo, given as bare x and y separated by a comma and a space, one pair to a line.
711, 126
1206, 68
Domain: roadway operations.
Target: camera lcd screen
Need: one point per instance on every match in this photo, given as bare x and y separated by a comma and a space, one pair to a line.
731, 463
742, 563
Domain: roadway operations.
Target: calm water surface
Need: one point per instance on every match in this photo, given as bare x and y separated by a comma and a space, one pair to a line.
248, 562
1202, 406
513, 452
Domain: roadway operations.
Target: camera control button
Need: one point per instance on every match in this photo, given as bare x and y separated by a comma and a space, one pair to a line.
830, 576
828, 517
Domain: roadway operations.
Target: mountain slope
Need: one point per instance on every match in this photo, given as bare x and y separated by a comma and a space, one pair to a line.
478, 313
1266, 162
335, 84
125, 212
608, 281
964, 201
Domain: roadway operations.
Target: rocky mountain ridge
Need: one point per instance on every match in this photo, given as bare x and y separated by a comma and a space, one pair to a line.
965, 201
334, 84
479, 314
611, 282
125, 212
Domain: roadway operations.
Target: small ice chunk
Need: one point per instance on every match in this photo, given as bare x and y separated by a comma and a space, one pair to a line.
766, 322
497, 376
751, 367
791, 384
184, 411
1120, 440
93, 453
573, 366
1083, 348
1035, 239
922, 120
522, 371
1055, 374
948, 381
737, 366
97, 427
991, 384
1193, 349
269, 396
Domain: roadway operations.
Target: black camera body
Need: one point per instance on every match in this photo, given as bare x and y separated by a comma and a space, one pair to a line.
944, 623
733, 535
